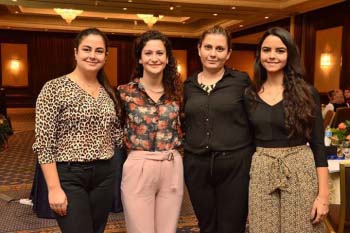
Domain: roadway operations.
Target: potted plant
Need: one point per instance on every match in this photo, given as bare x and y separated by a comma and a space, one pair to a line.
5, 131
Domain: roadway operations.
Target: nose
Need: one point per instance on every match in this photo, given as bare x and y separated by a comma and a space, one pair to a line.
92, 55
212, 53
272, 55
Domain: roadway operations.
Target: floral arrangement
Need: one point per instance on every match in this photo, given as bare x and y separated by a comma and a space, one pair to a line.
341, 133
5, 131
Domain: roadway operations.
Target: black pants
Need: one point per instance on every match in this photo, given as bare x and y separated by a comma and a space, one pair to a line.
90, 190
218, 186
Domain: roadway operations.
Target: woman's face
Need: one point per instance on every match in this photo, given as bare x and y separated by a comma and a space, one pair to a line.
91, 53
214, 52
273, 54
153, 57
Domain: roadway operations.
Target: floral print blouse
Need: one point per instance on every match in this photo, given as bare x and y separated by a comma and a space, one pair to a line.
149, 125
73, 126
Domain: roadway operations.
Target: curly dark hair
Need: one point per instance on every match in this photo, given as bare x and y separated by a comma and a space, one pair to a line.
298, 101
171, 78
101, 75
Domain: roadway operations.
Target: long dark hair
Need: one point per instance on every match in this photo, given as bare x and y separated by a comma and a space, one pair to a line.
171, 78
101, 75
298, 101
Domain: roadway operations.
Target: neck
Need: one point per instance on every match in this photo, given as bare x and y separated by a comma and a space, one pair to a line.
214, 74
89, 77
154, 81
274, 79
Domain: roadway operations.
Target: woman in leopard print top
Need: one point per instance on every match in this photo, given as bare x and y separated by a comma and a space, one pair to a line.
77, 129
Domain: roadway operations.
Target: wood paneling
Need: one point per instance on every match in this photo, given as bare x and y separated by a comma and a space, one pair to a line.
51, 54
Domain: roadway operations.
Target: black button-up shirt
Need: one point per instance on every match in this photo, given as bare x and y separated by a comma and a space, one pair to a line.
216, 121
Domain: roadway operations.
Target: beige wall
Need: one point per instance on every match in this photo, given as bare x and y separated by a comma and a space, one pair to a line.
328, 40
242, 60
14, 77
181, 58
111, 66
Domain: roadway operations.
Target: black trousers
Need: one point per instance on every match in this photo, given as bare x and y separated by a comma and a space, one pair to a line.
90, 191
218, 186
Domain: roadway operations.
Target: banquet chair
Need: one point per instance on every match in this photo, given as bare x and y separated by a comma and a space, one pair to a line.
328, 118
339, 215
341, 115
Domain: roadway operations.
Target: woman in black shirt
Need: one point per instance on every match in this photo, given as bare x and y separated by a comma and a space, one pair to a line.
218, 143
288, 182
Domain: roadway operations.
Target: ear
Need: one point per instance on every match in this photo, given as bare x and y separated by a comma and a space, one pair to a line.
75, 53
199, 50
167, 61
228, 54
140, 62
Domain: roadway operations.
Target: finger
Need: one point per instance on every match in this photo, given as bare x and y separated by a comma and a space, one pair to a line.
313, 212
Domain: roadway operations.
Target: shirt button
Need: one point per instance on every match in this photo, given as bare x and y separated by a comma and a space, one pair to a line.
207, 119
207, 147
208, 133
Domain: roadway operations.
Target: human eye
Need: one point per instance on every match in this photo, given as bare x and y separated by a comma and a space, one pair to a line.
220, 49
160, 53
281, 50
100, 51
207, 47
265, 49
147, 53
86, 49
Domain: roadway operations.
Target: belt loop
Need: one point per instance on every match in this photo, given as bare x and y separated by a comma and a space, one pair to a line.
69, 166
212, 159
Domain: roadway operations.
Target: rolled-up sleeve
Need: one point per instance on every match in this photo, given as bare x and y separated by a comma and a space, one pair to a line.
47, 110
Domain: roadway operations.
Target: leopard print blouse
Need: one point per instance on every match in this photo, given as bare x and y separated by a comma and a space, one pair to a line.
72, 126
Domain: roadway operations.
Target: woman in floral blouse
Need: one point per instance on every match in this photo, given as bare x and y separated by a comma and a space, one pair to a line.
152, 181
76, 131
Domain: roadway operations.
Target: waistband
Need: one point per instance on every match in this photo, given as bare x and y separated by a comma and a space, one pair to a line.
279, 170
153, 155
171, 156
83, 164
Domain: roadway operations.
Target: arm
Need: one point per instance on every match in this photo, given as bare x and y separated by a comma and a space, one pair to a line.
57, 197
47, 111
320, 206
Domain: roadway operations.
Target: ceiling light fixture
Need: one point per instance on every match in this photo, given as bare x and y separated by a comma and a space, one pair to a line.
171, 8
149, 19
233, 8
266, 17
68, 14
215, 14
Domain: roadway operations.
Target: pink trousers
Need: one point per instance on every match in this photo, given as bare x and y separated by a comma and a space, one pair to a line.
152, 191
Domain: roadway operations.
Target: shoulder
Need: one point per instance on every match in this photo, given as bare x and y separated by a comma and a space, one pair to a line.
54, 85
127, 87
238, 75
191, 79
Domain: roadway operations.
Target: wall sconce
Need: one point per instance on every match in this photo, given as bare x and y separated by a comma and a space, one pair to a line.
150, 20
14, 65
325, 59
178, 68
68, 14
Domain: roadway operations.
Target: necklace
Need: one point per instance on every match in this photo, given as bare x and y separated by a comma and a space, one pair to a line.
151, 90
202, 79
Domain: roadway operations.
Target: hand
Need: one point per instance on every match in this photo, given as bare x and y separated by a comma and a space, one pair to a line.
319, 210
58, 201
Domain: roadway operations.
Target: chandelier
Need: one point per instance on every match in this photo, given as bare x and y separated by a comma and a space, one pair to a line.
68, 14
150, 20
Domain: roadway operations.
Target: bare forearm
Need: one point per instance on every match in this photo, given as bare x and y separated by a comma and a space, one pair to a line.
51, 175
322, 175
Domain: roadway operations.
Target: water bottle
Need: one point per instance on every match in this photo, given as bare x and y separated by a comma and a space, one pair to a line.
327, 136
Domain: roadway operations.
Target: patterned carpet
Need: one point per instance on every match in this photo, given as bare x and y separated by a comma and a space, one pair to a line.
17, 165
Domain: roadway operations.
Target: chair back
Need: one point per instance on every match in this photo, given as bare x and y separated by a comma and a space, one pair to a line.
328, 118
341, 115
344, 216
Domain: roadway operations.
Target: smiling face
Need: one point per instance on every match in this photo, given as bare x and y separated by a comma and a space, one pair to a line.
214, 52
91, 53
153, 58
273, 54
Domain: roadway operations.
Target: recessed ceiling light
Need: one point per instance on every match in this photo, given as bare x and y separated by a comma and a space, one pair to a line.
215, 14
233, 8
14, 0
106, 18
16, 12
129, 0
135, 22
241, 25
171, 8
124, 9
183, 22
266, 17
